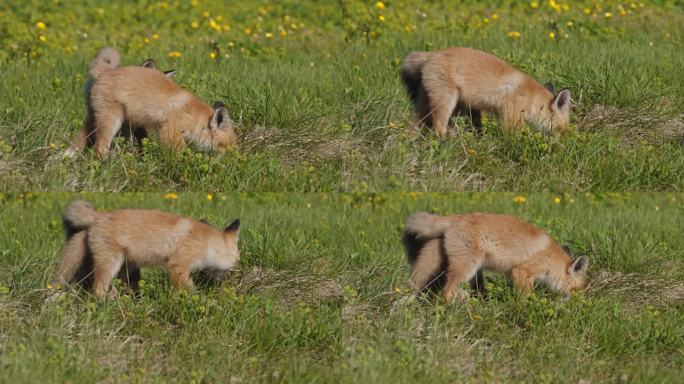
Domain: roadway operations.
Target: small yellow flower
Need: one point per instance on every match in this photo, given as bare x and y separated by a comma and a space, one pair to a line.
608, 15
552, 35
268, 35
247, 31
534, 5
174, 54
42, 39
194, 25
155, 36
495, 16
210, 197
53, 145
397, 290
586, 11
513, 34
557, 200
146, 40
379, 5
212, 55
170, 196
205, 14
49, 286
519, 199
381, 18
283, 33
40, 25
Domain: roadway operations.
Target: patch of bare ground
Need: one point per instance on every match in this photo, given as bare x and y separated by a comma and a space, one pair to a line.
634, 124
298, 147
637, 289
289, 287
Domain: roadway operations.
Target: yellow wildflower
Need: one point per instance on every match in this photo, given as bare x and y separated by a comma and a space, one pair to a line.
557, 200
552, 35
212, 55
608, 15
513, 34
194, 25
210, 197
40, 25
170, 196
534, 5
283, 33
379, 5
268, 35
519, 199
42, 39
174, 54
381, 18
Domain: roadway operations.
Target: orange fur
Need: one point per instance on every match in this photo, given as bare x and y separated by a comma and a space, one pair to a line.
147, 98
464, 80
142, 238
460, 246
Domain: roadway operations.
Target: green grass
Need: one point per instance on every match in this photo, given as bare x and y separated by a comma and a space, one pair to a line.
316, 297
322, 109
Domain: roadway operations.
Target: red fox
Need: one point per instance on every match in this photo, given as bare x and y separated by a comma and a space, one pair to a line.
103, 245
468, 81
460, 247
146, 98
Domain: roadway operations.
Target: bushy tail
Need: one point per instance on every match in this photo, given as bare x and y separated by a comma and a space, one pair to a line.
78, 215
420, 228
105, 60
411, 72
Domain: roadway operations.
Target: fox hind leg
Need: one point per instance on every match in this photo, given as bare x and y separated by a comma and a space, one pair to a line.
427, 267
459, 270
108, 121
443, 105
105, 267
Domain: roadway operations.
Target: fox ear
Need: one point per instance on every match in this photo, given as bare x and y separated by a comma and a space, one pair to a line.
561, 103
149, 63
170, 73
550, 87
234, 226
220, 117
579, 266
567, 249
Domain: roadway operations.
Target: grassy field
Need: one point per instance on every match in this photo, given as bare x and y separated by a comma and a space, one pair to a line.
316, 297
313, 88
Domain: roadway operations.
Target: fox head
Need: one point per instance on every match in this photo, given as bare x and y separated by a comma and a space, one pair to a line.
551, 115
214, 132
573, 277
223, 254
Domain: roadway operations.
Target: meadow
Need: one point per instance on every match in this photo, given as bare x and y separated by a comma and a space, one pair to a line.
314, 91
316, 298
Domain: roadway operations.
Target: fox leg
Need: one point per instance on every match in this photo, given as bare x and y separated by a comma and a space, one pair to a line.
426, 267
458, 272
443, 104
171, 136
73, 256
180, 277
108, 122
83, 137
421, 112
106, 266
522, 280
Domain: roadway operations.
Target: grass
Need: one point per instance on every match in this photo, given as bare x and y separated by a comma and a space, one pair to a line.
316, 298
314, 91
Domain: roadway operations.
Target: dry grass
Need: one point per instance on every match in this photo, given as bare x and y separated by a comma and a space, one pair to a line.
289, 287
637, 289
